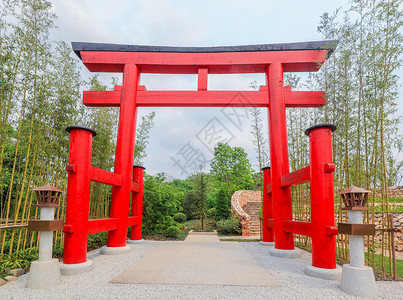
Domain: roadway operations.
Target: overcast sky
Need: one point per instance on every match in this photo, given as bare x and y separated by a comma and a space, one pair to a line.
178, 131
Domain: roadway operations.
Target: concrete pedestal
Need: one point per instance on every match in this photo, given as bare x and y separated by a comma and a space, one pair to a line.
359, 282
356, 278
294, 253
135, 241
270, 244
44, 274
105, 250
69, 269
328, 274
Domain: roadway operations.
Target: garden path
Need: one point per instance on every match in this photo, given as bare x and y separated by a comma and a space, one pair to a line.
200, 259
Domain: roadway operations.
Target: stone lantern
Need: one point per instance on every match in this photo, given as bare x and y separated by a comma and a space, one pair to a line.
356, 278
45, 272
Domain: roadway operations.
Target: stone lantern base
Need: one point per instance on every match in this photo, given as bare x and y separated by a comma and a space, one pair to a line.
358, 281
44, 274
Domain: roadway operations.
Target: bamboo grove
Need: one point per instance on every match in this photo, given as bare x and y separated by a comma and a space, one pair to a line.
361, 84
39, 97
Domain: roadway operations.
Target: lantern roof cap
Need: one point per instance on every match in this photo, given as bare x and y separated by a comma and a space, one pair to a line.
48, 187
354, 189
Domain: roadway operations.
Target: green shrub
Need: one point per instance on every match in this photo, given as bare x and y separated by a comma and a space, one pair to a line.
180, 217
211, 212
230, 226
173, 231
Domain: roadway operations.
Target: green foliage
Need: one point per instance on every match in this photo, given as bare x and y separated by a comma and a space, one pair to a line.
189, 205
19, 259
229, 226
57, 250
96, 240
173, 231
231, 166
142, 137
223, 206
211, 212
180, 217
160, 202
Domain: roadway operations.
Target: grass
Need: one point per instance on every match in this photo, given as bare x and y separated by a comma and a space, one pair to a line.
240, 240
384, 275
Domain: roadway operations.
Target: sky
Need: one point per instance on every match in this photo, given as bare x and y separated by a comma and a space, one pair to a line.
177, 145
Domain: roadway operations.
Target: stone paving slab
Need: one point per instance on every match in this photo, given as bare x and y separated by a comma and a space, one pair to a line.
200, 259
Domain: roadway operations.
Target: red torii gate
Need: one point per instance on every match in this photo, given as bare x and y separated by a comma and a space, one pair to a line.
271, 59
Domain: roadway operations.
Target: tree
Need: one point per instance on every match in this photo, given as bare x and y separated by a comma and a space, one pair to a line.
231, 167
259, 140
142, 137
223, 206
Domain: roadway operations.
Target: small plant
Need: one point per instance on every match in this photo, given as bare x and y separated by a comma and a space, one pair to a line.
230, 226
57, 250
173, 231
96, 240
180, 217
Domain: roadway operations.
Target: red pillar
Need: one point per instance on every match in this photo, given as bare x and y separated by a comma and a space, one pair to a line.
268, 233
137, 203
322, 196
282, 209
120, 203
78, 195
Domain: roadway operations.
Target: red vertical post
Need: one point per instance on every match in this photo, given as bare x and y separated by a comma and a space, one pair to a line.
120, 203
281, 198
137, 203
268, 233
78, 195
322, 196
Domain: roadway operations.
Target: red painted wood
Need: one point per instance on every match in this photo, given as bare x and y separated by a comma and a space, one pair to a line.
322, 199
267, 232
304, 99
217, 63
270, 223
137, 204
332, 230
203, 98
282, 209
298, 227
268, 188
120, 203
135, 187
297, 177
202, 79
78, 197
102, 176
102, 98
101, 225
132, 221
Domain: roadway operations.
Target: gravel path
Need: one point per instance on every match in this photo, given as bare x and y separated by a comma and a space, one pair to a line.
95, 284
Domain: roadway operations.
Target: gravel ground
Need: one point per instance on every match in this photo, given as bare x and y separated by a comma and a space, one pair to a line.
95, 284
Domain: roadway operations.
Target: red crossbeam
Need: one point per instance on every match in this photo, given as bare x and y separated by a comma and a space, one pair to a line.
135, 187
204, 98
102, 176
304, 228
133, 221
268, 188
270, 223
216, 63
297, 177
101, 225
